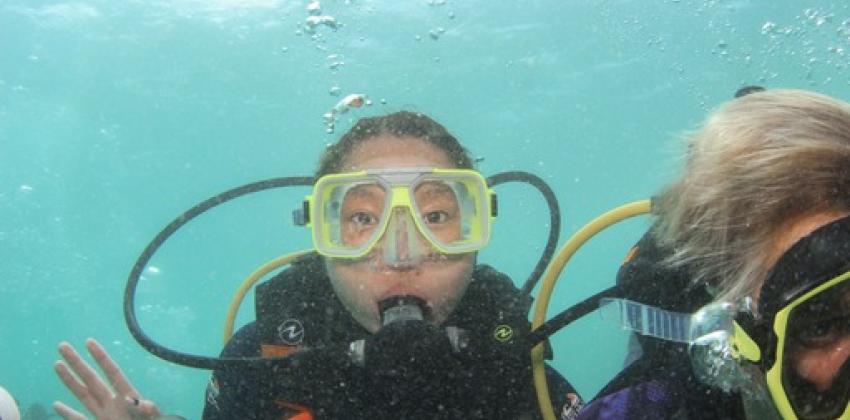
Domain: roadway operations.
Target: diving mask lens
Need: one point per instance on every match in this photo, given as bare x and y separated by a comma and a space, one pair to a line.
351, 213
817, 329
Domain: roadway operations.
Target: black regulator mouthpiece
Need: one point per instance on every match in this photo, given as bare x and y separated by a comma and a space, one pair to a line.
402, 308
403, 323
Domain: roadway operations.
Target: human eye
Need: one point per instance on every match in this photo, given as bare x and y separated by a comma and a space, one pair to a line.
823, 333
362, 219
436, 217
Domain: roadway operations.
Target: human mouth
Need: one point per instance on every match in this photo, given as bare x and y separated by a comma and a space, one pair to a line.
401, 297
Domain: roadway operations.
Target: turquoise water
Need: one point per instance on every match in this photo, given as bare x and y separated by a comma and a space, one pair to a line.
117, 116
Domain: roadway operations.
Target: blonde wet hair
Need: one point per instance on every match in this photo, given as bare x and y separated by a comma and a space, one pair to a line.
757, 163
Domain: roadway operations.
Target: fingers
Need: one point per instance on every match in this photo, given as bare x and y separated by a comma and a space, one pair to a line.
141, 409
66, 412
116, 377
95, 385
93, 391
77, 388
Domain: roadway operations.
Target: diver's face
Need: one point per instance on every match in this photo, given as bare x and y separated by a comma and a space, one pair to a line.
361, 284
821, 359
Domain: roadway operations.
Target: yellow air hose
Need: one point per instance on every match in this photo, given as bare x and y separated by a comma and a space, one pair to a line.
249, 282
552, 273
549, 279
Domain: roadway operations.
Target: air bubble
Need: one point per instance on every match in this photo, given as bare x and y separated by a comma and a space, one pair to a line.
323, 20
767, 28
436, 33
314, 8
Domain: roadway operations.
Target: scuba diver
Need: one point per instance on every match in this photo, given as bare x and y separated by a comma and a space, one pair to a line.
390, 317
739, 292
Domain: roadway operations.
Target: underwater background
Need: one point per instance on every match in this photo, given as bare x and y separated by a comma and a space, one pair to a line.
115, 117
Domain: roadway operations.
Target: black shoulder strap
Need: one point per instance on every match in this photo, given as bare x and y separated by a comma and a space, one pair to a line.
494, 310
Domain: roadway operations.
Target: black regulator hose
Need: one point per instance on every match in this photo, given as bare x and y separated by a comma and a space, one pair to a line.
213, 363
569, 315
554, 220
154, 348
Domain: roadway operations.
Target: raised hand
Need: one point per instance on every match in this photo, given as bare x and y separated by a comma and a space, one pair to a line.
120, 401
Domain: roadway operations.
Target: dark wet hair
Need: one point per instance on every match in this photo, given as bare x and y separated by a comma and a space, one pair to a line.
398, 124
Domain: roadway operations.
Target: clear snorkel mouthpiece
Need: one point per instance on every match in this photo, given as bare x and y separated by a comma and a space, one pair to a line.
712, 347
718, 359
714, 358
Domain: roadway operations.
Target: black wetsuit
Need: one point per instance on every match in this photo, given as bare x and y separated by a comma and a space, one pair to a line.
299, 315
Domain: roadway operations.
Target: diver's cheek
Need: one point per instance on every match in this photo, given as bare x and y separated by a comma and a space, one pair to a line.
446, 292
820, 366
355, 288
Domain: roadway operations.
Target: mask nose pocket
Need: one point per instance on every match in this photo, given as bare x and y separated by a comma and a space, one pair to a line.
402, 245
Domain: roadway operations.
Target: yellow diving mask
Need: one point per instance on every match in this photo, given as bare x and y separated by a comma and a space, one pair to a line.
803, 327
416, 210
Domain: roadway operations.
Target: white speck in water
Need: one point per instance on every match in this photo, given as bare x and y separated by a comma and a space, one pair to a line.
25, 188
383, 101
153, 270
417, 38
451, 15
284, 49
768, 27
33, 57
335, 91
368, 102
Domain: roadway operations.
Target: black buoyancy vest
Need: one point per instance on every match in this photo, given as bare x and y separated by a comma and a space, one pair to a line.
298, 309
